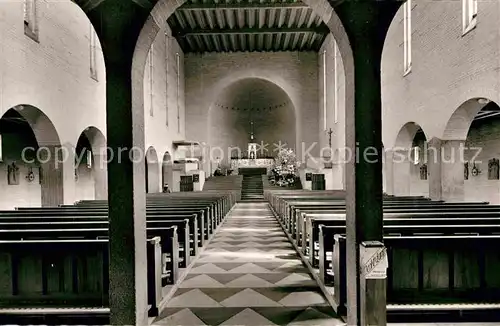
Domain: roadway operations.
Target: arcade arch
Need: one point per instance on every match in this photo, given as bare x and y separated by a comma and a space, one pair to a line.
152, 171
408, 162
32, 161
475, 125
90, 165
167, 167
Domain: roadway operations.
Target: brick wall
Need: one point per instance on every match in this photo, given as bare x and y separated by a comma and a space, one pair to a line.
54, 76
448, 68
335, 92
483, 144
209, 74
160, 130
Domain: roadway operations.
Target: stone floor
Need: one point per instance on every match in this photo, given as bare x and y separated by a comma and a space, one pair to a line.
249, 275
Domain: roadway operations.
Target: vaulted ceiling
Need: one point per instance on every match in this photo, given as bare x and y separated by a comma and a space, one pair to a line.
247, 25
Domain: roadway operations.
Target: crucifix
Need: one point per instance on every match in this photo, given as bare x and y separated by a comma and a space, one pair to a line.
330, 132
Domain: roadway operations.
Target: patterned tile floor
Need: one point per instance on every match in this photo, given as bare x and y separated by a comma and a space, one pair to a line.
249, 275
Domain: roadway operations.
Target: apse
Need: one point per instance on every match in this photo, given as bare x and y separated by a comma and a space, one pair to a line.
252, 107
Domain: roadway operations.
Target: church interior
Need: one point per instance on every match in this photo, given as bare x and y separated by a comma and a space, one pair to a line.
249, 162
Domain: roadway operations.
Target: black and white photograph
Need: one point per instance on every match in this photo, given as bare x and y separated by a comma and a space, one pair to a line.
250, 162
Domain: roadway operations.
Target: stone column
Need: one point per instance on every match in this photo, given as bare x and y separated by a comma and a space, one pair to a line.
118, 24
100, 174
366, 24
401, 172
52, 175
388, 173
434, 168
446, 170
126, 195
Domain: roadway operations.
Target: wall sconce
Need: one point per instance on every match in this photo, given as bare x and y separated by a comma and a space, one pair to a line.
30, 176
475, 170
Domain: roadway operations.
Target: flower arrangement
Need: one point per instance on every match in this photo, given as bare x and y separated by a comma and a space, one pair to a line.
285, 168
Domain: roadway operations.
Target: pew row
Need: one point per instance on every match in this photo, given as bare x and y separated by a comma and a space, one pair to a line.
424, 274
68, 284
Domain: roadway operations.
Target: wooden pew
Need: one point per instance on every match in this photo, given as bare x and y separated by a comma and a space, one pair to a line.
285, 207
88, 223
434, 270
307, 229
196, 217
418, 217
297, 221
171, 232
65, 273
402, 226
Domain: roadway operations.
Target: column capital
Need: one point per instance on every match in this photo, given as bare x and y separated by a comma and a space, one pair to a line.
434, 142
366, 22
118, 24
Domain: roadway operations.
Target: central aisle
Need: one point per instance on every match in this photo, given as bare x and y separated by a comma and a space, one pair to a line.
249, 275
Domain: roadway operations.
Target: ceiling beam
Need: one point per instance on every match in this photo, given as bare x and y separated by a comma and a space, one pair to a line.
243, 5
254, 30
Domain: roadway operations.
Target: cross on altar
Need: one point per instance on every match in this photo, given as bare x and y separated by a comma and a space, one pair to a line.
330, 132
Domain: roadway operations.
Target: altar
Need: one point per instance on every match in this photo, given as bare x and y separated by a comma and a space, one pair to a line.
252, 159
237, 163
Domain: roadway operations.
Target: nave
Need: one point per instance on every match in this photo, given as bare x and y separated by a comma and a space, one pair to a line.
249, 274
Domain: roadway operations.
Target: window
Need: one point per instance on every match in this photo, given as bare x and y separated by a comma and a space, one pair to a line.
93, 52
167, 64
151, 81
407, 36
324, 91
30, 19
469, 15
335, 83
89, 159
416, 155
178, 93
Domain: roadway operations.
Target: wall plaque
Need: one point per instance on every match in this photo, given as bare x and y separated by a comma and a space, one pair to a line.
423, 172
196, 178
309, 176
13, 174
493, 169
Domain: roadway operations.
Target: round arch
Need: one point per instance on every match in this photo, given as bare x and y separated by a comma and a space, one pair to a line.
42, 126
461, 119
152, 171
406, 135
406, 172
90, 165
166, 168
96, 138
44, 163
